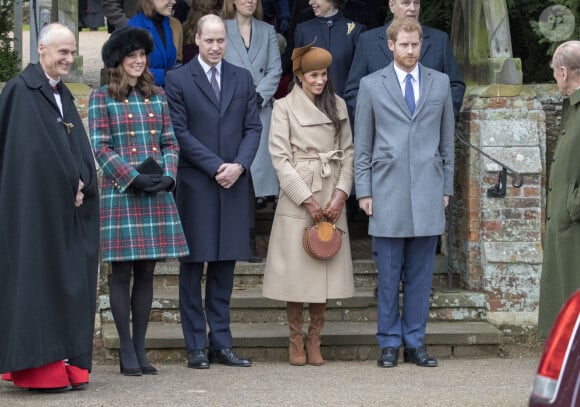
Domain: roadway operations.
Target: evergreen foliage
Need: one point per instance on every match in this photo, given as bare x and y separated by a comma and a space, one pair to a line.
8, 56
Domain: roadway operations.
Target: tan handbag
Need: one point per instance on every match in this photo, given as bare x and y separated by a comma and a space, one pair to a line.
322, 240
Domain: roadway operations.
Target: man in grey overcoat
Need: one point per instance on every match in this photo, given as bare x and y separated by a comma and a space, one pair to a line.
404, 158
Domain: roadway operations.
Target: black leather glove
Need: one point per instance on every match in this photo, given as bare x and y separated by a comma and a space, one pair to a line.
165, 183
260, 100
284, 26
143, 181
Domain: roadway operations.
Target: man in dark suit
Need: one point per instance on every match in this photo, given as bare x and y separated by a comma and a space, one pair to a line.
373, 54
404, 161
214, 113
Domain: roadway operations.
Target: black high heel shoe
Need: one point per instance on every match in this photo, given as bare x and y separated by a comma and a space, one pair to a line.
129, 371
148, 369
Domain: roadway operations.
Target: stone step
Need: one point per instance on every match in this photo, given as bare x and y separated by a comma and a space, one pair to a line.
251, 274
340, 340
249, 306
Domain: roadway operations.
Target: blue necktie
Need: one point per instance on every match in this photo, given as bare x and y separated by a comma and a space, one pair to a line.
409, 93
214, 84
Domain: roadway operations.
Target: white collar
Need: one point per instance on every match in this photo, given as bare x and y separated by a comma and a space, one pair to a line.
401, 75
206, 68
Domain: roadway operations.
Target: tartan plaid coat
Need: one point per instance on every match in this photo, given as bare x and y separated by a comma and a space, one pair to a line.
123, 135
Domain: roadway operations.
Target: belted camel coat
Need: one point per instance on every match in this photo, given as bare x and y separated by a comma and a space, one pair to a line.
310, 158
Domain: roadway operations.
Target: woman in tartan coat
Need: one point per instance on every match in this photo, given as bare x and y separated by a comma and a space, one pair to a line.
129, 122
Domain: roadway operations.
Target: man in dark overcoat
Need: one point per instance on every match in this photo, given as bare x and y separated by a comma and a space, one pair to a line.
49, 224
561, 265
214, 112
373, 54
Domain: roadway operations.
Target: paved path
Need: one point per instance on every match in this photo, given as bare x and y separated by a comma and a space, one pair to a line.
492, 382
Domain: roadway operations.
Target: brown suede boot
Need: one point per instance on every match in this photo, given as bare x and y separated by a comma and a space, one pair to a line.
296, 355
313, 339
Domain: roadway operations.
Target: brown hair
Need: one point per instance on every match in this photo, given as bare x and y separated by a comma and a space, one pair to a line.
119, 83
199, 8
404, 24
229, 9
325, 102
147, 7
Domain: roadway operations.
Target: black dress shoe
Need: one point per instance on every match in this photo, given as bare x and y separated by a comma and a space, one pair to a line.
255, 259
388, 357
228, 357
80, 386
196, 359
419, 356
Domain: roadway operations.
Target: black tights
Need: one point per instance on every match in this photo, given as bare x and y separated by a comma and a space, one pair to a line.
135, 305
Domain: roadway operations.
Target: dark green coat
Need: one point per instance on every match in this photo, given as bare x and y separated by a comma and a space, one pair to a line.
561, 267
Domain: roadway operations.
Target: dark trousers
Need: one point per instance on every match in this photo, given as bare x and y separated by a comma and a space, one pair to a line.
417, 256
216, 309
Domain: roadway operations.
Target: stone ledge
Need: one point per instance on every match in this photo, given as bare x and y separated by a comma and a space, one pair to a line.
525, 160
275, 335
168, 298
513, 252
508, 132
367, 266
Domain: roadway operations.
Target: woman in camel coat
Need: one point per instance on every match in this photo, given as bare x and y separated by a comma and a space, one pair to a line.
312, 153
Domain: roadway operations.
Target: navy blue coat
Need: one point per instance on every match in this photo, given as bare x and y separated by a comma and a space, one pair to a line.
337, 35
215, 220
372, 53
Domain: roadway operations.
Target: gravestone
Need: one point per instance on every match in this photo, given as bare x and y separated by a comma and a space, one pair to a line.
66, 12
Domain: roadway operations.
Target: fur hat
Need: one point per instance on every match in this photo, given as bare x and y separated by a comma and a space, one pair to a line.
310, 58
124, 41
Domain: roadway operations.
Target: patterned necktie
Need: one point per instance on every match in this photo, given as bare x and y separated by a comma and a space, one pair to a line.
214, 83
409, 93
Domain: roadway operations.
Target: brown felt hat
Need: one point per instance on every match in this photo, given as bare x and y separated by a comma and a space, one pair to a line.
310, 58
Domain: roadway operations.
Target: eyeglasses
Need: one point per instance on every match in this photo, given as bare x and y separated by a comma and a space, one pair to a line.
407, 3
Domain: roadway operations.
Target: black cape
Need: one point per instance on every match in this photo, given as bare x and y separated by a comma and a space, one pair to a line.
48, 247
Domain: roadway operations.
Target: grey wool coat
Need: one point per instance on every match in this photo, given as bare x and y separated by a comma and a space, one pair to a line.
262, 59
310, 158
560, 268
404, 161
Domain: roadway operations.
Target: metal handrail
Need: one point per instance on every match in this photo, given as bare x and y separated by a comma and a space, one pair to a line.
497, 191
